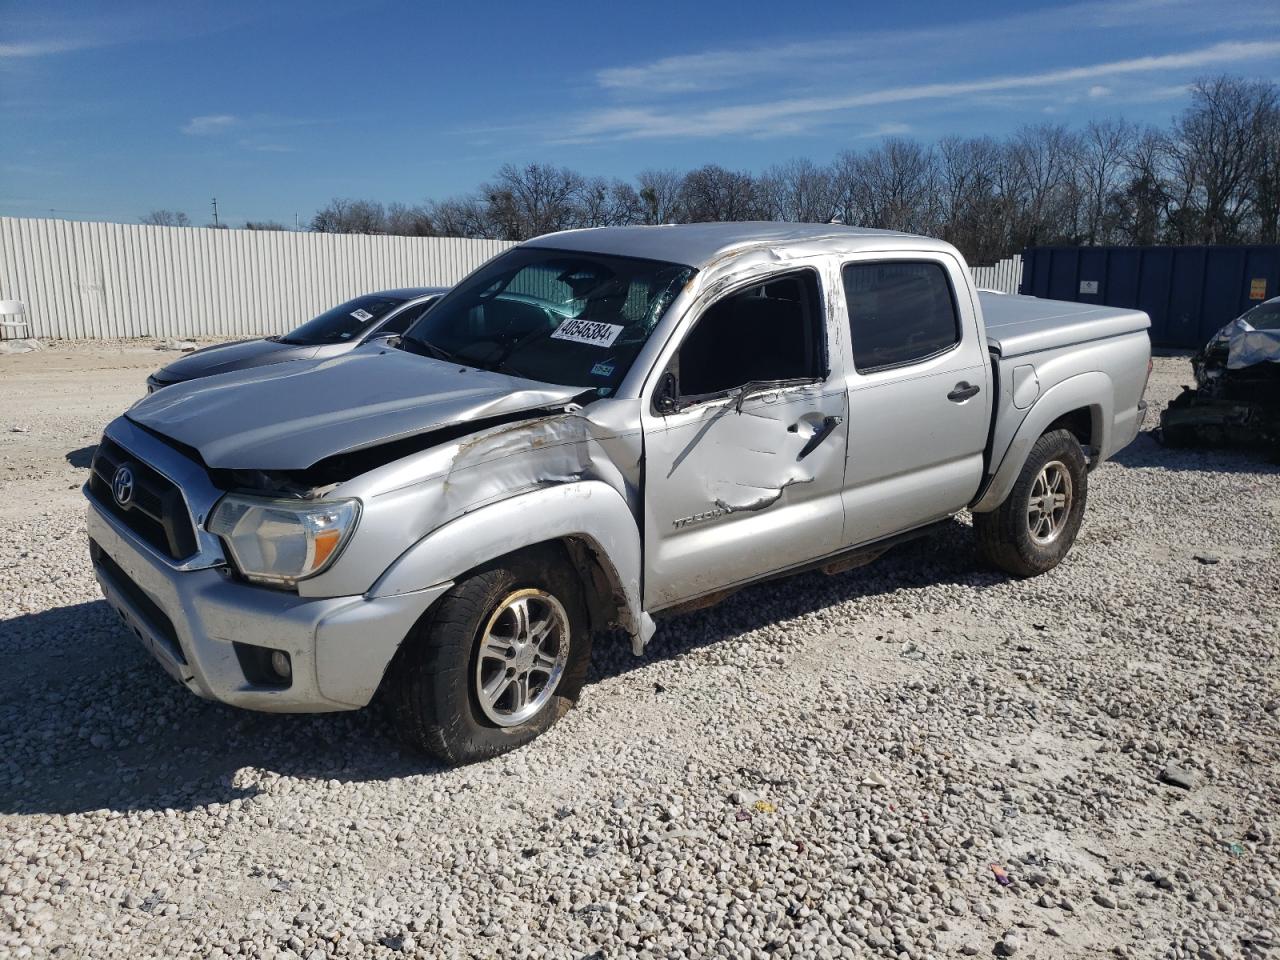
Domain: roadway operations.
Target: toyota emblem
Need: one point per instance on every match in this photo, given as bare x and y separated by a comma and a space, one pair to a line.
122, 486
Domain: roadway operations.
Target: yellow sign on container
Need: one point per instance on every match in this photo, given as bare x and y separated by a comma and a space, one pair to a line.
1258, 288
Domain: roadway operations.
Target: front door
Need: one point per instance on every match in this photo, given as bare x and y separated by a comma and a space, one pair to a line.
744, 466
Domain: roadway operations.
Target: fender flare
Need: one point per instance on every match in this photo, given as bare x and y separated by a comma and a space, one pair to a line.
1093, 390
588, 511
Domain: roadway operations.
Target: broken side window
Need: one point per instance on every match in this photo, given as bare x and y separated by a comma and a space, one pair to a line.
771, 331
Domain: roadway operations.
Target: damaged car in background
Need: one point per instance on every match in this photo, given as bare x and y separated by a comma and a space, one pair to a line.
595, 429
1236, 400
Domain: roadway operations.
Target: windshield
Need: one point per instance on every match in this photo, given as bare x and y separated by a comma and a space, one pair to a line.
347, 321
1265, 316
552, 315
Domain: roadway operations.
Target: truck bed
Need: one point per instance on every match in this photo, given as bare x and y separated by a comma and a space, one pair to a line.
1018, 325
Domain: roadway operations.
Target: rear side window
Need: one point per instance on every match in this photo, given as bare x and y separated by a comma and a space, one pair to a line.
899, 313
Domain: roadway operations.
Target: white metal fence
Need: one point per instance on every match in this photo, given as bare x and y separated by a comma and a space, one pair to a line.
79, 279
1004, 276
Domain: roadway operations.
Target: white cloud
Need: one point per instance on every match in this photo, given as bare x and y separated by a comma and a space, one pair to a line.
41, 48
722, 69
889, 130
209, 124
787, 115
1098, 90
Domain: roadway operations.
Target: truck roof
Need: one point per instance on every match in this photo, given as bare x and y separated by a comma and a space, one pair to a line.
699, 244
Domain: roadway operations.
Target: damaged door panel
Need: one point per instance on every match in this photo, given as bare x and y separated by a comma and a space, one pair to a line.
720, 485
753, 451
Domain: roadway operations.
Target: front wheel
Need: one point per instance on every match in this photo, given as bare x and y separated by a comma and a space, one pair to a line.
1036, 525
500, 658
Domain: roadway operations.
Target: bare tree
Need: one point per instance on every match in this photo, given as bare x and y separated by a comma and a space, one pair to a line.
1100, 161
799, 191
1216, 150
660, 195
893, 186
607, 203
165, 218
1046, 196
1266, 187
974, 214
1213, 177
712, 193
462, 217
350, 216
534, 199
264, 225
1143, 202
406, 221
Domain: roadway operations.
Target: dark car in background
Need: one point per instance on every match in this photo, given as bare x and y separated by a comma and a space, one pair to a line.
387, 313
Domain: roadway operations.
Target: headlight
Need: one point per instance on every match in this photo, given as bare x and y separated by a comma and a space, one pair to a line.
283, 541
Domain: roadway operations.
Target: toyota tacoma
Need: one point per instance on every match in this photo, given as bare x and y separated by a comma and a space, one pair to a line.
594, 428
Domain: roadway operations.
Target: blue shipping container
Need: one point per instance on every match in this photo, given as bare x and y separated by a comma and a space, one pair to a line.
1189, 292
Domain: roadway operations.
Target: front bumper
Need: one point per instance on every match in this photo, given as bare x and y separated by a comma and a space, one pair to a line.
191, 621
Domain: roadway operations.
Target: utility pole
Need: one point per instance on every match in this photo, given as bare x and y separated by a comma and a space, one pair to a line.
295, 221
215, 211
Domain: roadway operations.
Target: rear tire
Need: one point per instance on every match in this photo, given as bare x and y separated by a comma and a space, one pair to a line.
443, 685
1036, 525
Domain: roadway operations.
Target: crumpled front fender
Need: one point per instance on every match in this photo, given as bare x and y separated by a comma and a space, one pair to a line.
590, 511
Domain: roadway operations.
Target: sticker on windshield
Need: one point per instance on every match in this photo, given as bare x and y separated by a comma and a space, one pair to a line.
588, 331
364, 316
602, 370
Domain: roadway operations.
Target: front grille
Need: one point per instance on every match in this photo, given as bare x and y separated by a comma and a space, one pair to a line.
156, 618
156, 512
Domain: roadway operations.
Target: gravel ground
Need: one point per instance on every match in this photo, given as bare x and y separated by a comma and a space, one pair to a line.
915, 759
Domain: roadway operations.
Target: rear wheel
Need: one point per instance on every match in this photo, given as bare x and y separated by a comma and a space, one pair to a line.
1036, 525
501, 658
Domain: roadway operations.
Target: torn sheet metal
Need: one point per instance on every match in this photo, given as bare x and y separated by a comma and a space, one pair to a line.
1247, 345
720, 482
410, 496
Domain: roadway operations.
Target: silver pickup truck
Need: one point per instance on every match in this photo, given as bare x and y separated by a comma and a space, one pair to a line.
594, 428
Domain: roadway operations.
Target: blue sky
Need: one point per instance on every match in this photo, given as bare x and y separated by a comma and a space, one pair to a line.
113, 109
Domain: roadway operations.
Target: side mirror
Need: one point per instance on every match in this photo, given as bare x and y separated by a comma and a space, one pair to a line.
667, 397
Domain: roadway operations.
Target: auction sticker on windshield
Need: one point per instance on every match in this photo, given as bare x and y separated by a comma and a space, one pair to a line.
364, 316
588, 331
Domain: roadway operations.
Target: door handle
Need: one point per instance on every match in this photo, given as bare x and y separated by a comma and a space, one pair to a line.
963, 391
824, 430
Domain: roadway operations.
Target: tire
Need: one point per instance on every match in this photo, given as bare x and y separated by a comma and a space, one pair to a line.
1005, 536
435, 693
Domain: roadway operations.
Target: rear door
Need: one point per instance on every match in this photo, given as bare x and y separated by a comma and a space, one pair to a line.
919, 386
739, 485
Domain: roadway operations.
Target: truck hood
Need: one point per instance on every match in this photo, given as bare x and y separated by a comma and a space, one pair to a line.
289, 416
223, 357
